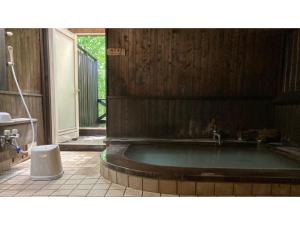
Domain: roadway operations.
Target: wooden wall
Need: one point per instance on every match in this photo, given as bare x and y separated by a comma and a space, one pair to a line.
27, 44
173, 82
288, 103
88, 31
2, 60
291, 75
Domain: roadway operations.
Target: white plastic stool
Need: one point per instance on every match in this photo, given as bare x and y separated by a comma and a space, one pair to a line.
46, 163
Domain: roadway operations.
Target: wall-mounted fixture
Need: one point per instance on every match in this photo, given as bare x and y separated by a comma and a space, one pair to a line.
116, 51
15, 136
9, 33
9, 138
15, 132
5, 117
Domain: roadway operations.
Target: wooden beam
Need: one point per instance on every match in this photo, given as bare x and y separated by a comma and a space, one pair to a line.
17, 93
88, 31
212, 98
289, 98
45, 82
3, 76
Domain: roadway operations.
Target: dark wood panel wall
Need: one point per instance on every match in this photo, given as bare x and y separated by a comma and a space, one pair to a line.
291, 75
184, 118
173, 82
288, 121
184, 62
288, 108
12, 103
28, 56
3, 81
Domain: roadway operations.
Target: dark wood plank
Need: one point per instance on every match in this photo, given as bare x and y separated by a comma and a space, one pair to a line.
27, 44
3, 77
173, 82
287, 110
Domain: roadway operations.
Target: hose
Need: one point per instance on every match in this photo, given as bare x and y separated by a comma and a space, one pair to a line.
11, 64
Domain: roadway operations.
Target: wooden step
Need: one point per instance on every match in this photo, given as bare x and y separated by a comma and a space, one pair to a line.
84, 143
92, 131
83, 148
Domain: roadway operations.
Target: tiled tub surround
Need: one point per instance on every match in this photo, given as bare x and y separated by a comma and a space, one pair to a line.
122, 171
82, 178
199, 188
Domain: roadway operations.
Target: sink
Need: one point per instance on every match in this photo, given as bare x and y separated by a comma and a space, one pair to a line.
6, 120
5, 117
22, 124
8, 155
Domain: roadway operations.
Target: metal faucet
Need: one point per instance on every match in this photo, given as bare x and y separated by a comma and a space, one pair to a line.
217, 137
10, 137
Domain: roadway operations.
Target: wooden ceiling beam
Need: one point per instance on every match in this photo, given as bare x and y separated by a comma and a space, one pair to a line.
88, 31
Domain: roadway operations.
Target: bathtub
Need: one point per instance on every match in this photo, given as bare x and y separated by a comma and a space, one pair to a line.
202, 168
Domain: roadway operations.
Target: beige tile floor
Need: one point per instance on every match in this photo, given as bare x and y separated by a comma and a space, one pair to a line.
81, 178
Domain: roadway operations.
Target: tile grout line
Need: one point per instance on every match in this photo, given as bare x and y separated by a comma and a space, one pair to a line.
91, 189
107, 190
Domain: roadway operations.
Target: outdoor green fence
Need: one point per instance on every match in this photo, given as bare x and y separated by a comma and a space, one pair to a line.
88, 89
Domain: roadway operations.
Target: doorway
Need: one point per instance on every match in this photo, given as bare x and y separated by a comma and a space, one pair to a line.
91, 54
63, 85
91, 80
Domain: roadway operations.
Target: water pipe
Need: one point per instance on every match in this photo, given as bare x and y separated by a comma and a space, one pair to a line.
11, 64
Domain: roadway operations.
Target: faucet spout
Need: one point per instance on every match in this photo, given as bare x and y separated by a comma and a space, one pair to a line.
217, 137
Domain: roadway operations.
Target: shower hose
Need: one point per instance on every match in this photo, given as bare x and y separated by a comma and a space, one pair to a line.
11, 64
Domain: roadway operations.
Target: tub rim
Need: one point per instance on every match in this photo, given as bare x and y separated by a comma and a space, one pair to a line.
114, 158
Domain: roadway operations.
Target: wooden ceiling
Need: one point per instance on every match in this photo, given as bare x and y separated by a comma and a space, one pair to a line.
88, 31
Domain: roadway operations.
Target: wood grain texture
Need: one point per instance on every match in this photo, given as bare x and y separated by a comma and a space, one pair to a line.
291, 75
26, 44
185, 118
195, 62
88, 31
288, 111
3, 77
172, 82
288, 120
27, 54
13, 105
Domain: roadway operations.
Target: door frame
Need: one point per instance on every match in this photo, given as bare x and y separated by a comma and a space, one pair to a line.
56, 135
46, 87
